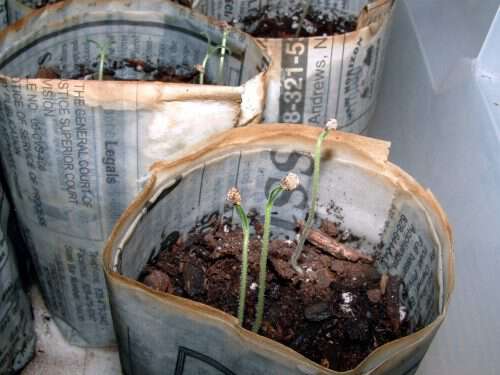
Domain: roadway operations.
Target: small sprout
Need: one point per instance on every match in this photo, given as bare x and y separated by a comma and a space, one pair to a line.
103, 51
234, 196
332, 124
305, 12
288, 183
211, 50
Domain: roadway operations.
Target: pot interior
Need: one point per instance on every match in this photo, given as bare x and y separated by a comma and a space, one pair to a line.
391, 223
245, 8
163, 35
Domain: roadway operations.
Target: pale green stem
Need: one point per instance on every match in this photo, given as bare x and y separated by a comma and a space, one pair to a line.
103, 52
205, 59
101, 66
204, 67
245, 226
223, 55
314, 198
305, 12
210, 52
275, 193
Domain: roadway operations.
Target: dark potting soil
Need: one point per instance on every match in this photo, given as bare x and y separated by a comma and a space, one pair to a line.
335, 314
127, 70
187, 3
267, 23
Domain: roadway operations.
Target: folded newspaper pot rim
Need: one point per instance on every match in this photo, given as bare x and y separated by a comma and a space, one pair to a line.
250, 94
373, 13
148, 95
365, 151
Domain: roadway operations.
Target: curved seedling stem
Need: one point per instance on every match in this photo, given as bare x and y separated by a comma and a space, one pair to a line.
211, 50
288, 183
314, 200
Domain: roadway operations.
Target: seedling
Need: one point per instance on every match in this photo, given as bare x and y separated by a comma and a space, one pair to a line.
223, 55
305, 12
234, 196
332, 124
287, 183
211, 50
103, 51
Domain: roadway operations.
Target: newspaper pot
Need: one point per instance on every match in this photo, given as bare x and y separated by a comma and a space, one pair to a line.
17, 335
159, 333
75, 151
324, 77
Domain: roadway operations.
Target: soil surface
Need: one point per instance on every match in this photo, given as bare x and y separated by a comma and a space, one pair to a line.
269, 23
127, 70
335, 314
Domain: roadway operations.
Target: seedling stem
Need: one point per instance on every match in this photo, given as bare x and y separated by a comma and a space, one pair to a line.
288, 183
234, 197
103, 50
211, 50
223, 55
314, 197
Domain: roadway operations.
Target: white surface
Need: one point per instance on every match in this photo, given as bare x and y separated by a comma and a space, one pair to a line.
449, 30
54, 356
439, 106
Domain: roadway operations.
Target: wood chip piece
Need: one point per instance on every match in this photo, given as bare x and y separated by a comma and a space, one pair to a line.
341, 251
